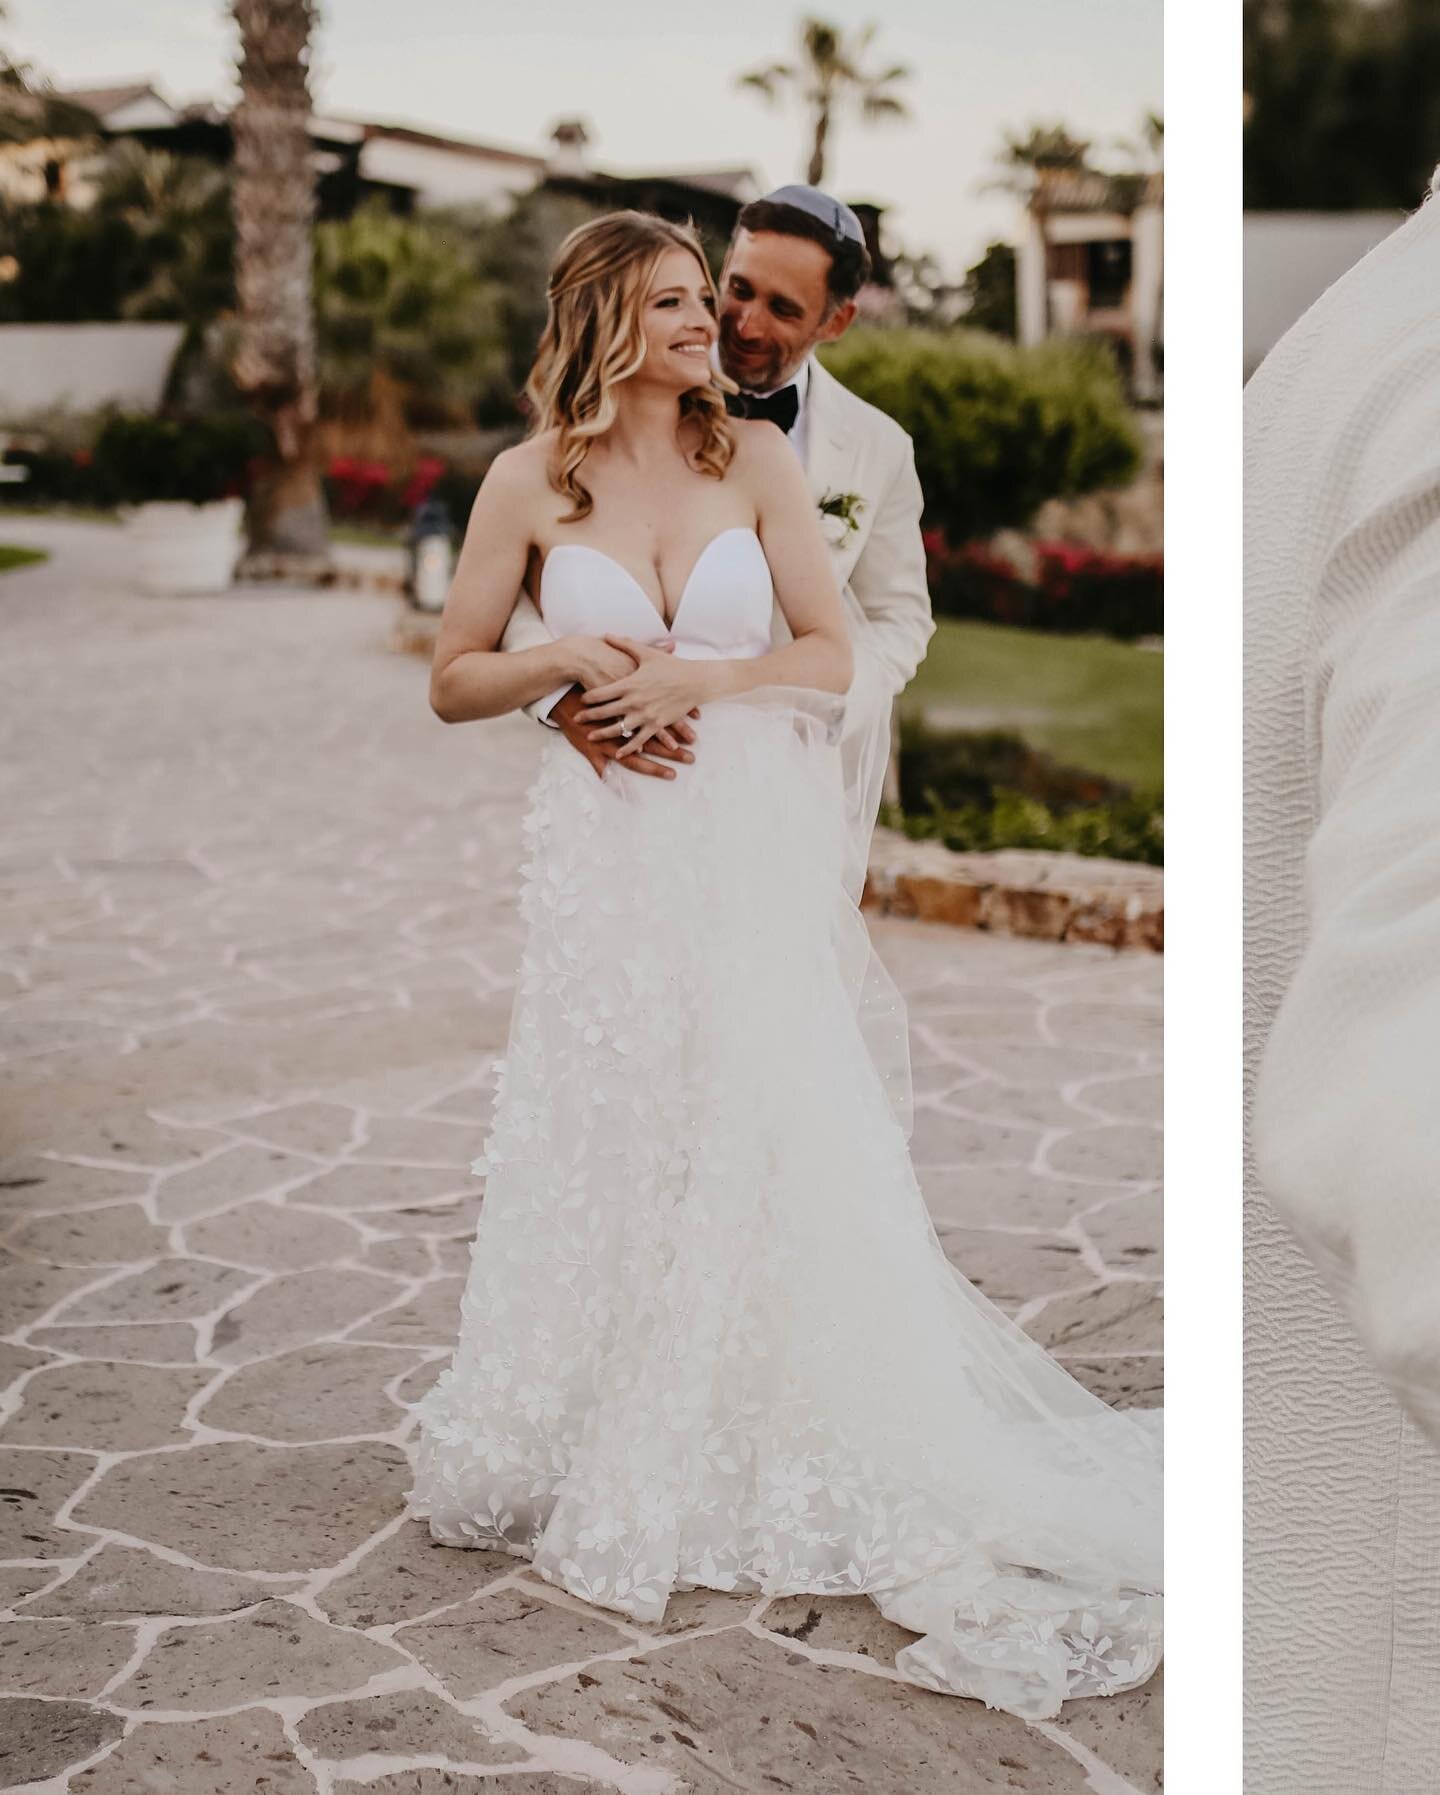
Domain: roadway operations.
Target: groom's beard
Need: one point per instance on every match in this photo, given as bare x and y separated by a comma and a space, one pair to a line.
761, 375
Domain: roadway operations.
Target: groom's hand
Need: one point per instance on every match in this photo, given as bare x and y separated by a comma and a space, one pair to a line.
666, 745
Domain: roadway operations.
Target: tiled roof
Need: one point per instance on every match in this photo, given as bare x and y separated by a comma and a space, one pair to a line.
1090, 190
101, 100
460, 146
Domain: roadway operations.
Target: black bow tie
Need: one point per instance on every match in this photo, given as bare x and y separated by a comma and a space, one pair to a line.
782, 407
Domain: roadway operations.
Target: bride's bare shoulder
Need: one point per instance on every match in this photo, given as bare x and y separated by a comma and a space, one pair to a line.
759, 446
524, 463
764, 464
518, 477
757, 436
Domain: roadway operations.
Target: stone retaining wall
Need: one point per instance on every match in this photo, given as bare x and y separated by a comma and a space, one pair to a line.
1050, 897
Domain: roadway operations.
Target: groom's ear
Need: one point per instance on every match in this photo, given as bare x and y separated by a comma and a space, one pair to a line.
838, 322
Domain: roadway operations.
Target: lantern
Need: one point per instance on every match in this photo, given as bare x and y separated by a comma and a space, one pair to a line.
432, 556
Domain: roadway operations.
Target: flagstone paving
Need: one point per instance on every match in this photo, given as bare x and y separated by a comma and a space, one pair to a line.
256, 947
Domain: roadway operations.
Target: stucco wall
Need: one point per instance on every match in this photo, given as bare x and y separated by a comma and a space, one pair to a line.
83, 366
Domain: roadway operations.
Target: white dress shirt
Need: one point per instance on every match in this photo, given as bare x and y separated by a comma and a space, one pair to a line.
800, 429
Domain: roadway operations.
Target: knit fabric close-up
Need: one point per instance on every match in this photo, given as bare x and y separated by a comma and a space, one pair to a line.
1342, 1010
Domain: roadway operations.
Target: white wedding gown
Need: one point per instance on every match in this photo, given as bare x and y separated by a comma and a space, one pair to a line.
709, 1336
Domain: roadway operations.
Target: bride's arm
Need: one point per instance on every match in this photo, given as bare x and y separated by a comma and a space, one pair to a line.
470, 675
803, 571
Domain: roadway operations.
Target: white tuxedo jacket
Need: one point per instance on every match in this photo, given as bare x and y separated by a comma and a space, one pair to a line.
853, 447
1342, 1002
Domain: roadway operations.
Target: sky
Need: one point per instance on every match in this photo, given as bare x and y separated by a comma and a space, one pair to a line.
655, 83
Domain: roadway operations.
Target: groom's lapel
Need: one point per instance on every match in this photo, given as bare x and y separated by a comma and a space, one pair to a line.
830, 453
836, 460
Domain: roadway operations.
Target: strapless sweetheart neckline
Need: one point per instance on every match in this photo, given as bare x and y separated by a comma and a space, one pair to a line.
670, 622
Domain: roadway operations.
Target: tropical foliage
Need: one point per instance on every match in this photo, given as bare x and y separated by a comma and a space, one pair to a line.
997, 429
402, 296
989, 291
1022, 155
157, 243
828, 76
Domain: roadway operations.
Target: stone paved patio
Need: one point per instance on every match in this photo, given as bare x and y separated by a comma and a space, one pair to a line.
255, 957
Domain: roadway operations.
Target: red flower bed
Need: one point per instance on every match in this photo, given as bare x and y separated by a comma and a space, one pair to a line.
1076, 589
358, 488
373, 492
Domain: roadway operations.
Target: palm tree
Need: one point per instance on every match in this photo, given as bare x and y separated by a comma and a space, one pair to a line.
830, 74
274, 231
1020, 160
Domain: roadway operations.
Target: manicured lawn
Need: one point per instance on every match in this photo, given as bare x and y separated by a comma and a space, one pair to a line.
20, 557
1089, 701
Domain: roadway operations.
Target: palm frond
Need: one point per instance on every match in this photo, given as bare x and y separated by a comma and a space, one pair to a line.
767, 81
829, 74
879, 106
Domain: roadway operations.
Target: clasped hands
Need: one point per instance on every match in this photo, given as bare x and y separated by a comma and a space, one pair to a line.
644, 708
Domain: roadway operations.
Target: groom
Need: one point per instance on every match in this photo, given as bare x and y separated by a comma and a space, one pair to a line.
789, 281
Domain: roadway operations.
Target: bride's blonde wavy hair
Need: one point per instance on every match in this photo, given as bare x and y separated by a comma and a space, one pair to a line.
593, 340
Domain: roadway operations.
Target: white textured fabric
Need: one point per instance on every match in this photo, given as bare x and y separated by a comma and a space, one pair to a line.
709, 1336
1342, 1202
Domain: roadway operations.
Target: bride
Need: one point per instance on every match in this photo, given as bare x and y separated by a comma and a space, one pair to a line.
709, 1336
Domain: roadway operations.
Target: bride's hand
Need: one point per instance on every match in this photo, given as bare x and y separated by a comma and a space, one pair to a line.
661, 689
595, 662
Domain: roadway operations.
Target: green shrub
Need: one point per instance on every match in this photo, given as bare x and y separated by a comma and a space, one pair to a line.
979, 790
997, 430
157, 243
138, 458
1130, 829
399, 295
943, 769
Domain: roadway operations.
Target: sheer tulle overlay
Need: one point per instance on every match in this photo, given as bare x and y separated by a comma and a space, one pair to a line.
709, 1336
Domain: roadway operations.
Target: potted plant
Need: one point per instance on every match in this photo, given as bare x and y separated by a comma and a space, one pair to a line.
178, 482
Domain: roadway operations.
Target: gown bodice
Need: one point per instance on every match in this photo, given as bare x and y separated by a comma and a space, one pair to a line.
724, 611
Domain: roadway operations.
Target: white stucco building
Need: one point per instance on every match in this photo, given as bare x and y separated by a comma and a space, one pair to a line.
1090, 262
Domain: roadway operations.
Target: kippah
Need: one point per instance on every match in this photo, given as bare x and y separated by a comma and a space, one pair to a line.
820, 205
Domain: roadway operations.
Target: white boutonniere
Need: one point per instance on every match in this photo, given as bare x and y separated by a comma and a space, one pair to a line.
839, 515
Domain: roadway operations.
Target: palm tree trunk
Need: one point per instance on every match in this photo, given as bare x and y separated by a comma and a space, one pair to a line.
815, 174
274, 228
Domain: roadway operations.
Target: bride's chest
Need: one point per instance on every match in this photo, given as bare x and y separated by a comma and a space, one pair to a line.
725, 602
